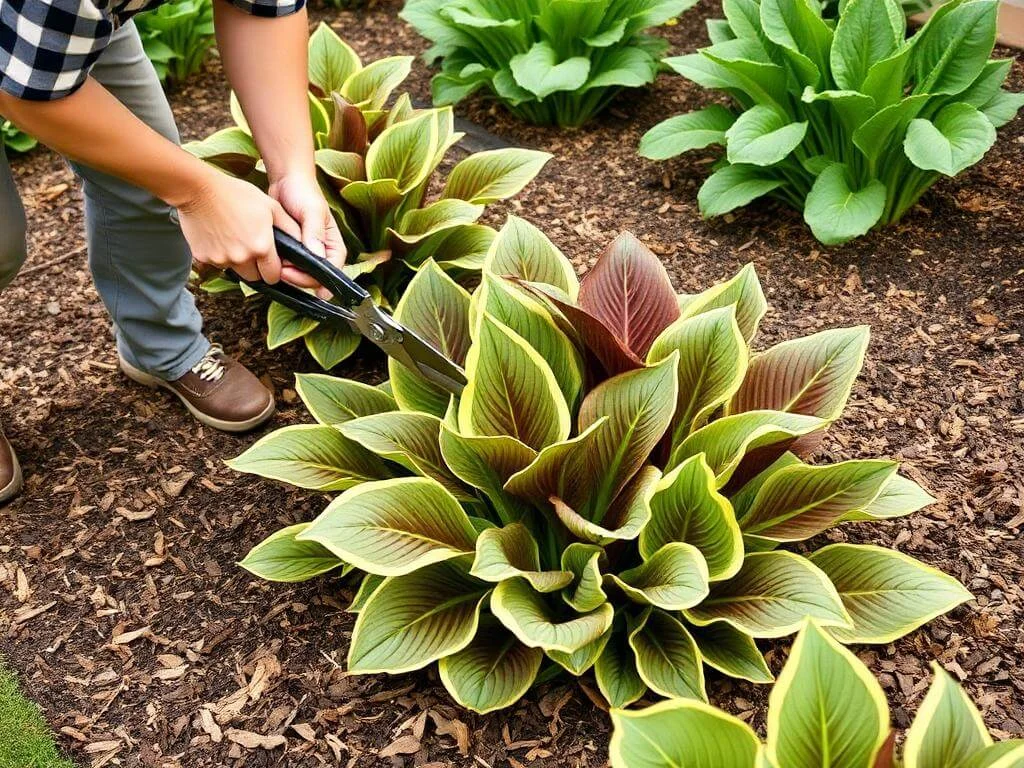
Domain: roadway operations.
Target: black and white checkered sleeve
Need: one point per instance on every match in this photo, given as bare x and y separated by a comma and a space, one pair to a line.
269, 8
47, 48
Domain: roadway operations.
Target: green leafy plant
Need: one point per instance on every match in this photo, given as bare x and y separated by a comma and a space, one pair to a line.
550, 62
850, 124
376, 166
14, 138
177, 37
825, 710
609, 492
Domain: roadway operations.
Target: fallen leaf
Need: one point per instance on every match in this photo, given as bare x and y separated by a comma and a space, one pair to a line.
251, 740
405, 745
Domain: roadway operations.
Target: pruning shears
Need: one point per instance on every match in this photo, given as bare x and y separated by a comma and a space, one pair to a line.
355, 310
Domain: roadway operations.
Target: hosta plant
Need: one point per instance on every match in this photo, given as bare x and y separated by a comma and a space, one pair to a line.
177, 37
551, 62
610, 492
849, 123
377, 167
825, 710
14, 138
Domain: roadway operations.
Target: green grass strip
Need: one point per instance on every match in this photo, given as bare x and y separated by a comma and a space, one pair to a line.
25, 739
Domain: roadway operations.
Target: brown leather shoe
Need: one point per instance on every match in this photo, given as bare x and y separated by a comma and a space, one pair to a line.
10, 472
220, 392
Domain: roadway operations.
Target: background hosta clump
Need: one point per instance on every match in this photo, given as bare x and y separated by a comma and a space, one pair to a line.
825, 710
177, 37
850, 124
375, 166
556, 62
609, 492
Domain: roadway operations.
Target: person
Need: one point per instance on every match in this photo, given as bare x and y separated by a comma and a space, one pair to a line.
74, 75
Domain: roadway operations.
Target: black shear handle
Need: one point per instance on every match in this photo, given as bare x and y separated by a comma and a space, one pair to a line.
344, 288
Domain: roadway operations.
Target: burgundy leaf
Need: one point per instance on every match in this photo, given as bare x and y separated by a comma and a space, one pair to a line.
628, 290
886, 757
348, 128
597, 337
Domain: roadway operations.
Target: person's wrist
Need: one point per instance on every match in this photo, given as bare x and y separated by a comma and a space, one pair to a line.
296, 172
195, 188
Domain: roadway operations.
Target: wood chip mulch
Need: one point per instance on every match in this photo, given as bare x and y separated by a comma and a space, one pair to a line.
121, 606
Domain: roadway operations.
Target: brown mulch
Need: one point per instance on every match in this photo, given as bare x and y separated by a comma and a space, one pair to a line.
121, 606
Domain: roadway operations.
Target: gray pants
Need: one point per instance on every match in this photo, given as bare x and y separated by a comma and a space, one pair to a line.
139, 259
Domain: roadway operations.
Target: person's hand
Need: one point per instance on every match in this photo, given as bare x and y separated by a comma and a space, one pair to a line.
301, 198
229, 223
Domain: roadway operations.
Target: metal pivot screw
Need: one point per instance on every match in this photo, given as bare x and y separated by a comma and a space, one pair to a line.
376, 332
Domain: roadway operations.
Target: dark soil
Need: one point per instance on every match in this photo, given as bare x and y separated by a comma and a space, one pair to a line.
121, 606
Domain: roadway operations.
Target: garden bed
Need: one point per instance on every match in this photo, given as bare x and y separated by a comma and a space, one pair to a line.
121, 606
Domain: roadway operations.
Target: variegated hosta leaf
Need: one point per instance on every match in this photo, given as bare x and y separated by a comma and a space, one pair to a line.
373, 198
371, 583
512, 390
331, 60
947, 730
487, 463
771, 596
557, 470
394, 526
404, 152
886, 593
801, 501
826, 708
436, 308
492, 672
414, 619
341, 167
526, 316
333, 401
812, 375
681, 732
410, 439
285, 325
712, 364
311, 456
687, 507
900, 497
731, 652
462, 248
673, 578
639, 405
615, 669
1002, 754
523, 251
349, 132
371, 86
584, 562
744, 290
420, 223
486, 177
505, 553
532, 618
280, 557
743, 498
232, 149
763, 436
629, 291
580, 661
666, 656
331, 346
627, 516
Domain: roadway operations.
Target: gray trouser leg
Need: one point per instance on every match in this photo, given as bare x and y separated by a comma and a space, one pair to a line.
12, 225
139, 259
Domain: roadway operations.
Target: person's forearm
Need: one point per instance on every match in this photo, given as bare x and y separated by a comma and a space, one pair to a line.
94, 128
265, 61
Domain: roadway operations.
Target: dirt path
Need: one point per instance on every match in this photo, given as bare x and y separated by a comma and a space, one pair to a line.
121, 606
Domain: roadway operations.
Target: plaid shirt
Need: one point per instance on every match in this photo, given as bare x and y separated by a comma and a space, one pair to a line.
47, 47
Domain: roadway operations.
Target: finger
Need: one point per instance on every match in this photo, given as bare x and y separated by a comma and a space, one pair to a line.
247, 271
297, 277
313, 233
334, 244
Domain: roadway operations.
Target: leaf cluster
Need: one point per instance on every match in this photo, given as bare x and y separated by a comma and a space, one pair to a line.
825, 709
177, 37
848, 121
550, 62
610, 492
376, 165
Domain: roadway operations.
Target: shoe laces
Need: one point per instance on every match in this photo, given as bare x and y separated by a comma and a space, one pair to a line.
211, 367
